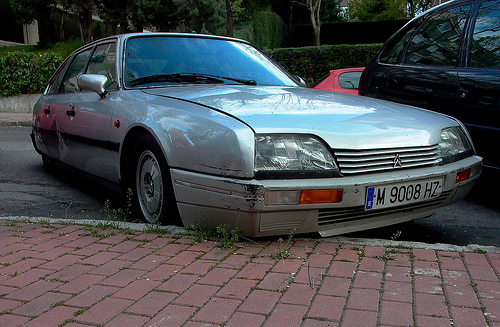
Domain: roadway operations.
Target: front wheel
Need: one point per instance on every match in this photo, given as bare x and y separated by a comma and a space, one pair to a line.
153, 192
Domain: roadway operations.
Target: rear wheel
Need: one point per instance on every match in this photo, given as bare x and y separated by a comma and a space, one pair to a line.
153, 192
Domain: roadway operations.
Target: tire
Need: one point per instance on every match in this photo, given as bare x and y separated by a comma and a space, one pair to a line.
153, 198
48, 165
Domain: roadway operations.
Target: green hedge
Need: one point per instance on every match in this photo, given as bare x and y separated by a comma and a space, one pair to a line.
312, 63
26, 72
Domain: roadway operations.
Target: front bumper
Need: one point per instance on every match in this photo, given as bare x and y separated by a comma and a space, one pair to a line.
215, 200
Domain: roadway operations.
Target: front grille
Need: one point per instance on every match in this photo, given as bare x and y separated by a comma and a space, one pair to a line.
332, 216
367, 161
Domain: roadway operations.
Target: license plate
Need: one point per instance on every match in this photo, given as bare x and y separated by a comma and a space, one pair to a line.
402, 193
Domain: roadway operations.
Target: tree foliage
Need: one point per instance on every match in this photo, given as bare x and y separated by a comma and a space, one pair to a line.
377, 10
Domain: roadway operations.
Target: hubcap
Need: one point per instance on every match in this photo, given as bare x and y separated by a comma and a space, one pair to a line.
149, 186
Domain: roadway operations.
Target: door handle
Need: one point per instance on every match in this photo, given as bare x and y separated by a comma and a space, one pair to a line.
71, 112
46, 110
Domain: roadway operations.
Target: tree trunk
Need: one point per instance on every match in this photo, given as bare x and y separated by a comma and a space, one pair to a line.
230, 18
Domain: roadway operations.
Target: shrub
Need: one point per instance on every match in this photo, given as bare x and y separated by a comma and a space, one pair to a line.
311, 63
25, 72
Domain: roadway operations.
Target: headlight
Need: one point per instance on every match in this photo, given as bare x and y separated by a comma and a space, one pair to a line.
278, 156
454, 145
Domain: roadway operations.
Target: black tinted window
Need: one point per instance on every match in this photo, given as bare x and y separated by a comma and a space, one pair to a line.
436, 43
485, 48
392, 52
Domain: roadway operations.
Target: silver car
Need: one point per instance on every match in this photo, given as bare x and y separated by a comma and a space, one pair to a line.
209, 129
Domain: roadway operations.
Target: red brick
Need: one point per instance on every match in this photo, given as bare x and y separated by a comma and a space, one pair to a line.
298, 294
254, 270
260, 302
426, 268
371, 264
124, 246
21, 266
135, 254
103, 311
467, 317
217, 310
310, 275
243, 319
218, 276
33, 291
91, 249
172, 316
216, 254
319, 323
184, 258
347, 255
127, 320
461, 296
493, 309
430, 305
335, 286
489, 290
198, 267
287, 315
235, 261
162, 272
327, 248
363, 299
54, 253
136, 290
452, 263
433, 321
455, 278
8, 320
319, 260
27, 277
114, 239
178, 283
100, 258
275, 282
41, 304
424, 254
111, 267
80, 284
475, 259
396, 291
81, 242
327, 307
151, 304
171, 249
366, 279
398, 274
196, 295
149, 262
123, 277
359, 318
396, 314
54, 317
342, 269
91, 296
427, 284
6, 305
287, 266
482, 273
237, 288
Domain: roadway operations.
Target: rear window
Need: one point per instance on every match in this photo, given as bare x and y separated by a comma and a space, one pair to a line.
485, 47
437, 41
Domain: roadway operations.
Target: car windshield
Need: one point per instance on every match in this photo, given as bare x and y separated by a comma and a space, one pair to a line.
174, 60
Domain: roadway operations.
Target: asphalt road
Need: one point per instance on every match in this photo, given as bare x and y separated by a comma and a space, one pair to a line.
27, 190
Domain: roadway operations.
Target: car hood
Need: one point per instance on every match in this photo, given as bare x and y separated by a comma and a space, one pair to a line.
342, 120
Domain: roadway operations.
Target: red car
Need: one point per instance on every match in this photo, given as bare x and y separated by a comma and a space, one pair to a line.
341, 80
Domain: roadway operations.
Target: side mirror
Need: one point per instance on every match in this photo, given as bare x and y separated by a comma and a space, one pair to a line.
301, 81
94, 82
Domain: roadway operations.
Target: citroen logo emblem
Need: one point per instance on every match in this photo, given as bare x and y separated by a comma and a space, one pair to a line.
396, 163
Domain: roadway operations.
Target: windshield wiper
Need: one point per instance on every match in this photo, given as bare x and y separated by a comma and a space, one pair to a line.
188, 77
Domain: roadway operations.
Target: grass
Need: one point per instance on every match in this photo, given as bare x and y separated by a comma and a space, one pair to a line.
63, 48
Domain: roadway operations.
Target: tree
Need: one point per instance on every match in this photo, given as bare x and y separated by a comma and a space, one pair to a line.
416, 7
377, 10
314, 7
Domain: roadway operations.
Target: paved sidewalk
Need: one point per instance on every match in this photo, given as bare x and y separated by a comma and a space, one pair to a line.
54, 274
16, 119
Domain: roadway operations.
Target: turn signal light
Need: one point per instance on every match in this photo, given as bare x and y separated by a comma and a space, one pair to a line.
463, 175
320, 196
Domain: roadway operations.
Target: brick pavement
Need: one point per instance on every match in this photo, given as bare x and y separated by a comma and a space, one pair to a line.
73, 275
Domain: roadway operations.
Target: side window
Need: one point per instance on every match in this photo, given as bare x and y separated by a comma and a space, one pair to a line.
56, 79
69, 83
485, 47
103, 62
393, 51
349, 80
437, 42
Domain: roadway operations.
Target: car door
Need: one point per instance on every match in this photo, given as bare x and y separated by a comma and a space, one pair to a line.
427, 76
479, 84
90, 141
